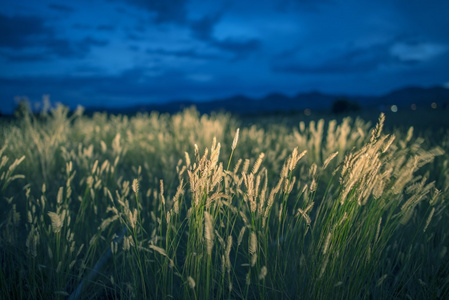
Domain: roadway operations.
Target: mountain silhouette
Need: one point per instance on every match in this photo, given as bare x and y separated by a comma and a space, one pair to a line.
278, 102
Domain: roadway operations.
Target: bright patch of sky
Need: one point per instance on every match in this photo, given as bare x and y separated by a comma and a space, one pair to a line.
417, 52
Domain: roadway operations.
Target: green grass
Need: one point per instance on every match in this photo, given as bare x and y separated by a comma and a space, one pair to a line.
187, 207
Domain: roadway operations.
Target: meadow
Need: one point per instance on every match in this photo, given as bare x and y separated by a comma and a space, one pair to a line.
190, 206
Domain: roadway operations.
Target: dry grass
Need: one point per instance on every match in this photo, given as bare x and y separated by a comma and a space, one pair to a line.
190, 206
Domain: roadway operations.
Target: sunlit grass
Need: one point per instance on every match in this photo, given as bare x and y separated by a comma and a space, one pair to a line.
201, 207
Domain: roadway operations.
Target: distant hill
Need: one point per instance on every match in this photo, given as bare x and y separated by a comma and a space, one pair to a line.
277, 102
416, 95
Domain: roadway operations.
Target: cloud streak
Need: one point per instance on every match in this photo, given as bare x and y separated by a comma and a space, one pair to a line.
61, 8
188, 53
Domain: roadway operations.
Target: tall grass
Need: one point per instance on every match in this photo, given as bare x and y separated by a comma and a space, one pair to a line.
190, 206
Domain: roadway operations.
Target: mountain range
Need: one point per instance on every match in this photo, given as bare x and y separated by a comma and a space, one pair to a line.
277, 102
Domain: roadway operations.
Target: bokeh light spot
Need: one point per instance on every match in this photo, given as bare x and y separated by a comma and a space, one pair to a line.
394, 108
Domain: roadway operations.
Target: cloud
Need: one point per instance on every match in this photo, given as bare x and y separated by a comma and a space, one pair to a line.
51, 48
28, 38
395, 63
355, 60
424, 19
18, 31
189, 53
240, 47
173, 11
417, 52
61, 8
83, 46
203, 30
105, 28
12, 56
303, 5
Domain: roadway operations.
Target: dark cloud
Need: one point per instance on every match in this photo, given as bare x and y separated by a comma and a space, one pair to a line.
18, 31
14, 56
133, 37
424, 19
57, 47
173, 11
240, 47
82, 26
28, 38
355, 60
83, 46
134, 48
61, 8
51, 48
85, 68
107, 28
190, 53
314, 6
203, 30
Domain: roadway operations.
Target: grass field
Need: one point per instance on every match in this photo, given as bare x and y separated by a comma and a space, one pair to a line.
199, 207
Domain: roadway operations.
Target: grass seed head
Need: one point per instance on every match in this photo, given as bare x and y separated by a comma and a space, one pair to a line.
187, 157
135, 186
258, 163
191, 282
327, 243
56, 222
236, 139
228, 252
263, 273
241, 234
252, 248
429, 218
329, 159
245, 166
208, 232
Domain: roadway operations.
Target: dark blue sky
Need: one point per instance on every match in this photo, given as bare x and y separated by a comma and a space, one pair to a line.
122, 52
